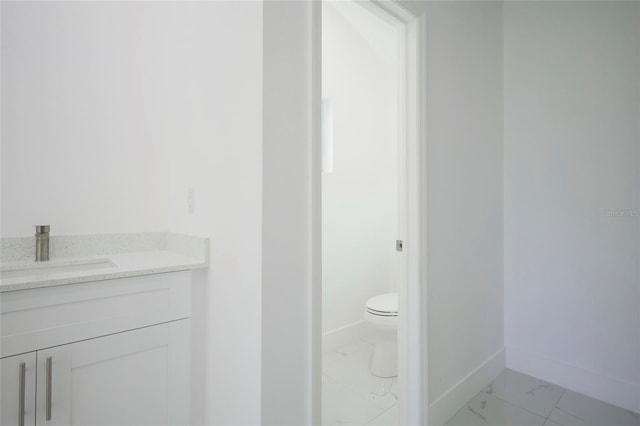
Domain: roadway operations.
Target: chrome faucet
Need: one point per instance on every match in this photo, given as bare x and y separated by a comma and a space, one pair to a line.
42, 243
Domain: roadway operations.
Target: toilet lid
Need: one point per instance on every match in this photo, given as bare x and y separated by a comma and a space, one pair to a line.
383, 304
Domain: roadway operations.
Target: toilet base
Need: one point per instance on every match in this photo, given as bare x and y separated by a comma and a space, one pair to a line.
384, 362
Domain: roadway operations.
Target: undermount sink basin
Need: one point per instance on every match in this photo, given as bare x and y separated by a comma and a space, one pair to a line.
54, 267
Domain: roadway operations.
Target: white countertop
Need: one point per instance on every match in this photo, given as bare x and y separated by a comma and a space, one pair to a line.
175, 253
125, 265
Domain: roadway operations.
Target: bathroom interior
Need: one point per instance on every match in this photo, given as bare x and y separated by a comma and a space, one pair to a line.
160, 142
360, 213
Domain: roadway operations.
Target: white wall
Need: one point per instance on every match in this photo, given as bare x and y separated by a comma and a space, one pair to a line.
132, 104
81, 146
359, 198
464, 178
215, 125
572, 154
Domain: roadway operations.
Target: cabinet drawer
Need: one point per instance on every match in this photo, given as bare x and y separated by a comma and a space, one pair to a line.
46, 317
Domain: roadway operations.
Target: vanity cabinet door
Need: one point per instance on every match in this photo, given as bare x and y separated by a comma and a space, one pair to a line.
138, 377
18, 390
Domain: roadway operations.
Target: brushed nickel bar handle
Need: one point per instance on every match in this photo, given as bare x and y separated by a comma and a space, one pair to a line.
49, 377
23, 368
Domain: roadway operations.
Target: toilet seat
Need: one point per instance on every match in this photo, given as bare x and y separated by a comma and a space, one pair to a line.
383, 305
382, 313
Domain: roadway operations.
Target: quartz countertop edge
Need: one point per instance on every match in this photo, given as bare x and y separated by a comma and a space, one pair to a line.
125, 265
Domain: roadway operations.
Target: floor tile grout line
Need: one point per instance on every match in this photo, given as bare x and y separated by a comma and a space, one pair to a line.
364, 343
547, 418
358, 391
364, 396
525, 408
510, 403
382, 414
571, 414
355, 390
503, 400
364, 399
341, 382
555, 405
343, 356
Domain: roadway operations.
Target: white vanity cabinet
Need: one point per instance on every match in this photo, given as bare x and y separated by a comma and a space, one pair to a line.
112, 352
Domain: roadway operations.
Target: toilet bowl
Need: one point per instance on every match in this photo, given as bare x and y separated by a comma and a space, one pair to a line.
382, 313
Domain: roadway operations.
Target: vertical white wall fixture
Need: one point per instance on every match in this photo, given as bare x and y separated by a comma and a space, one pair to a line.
412, 333
327, 135
291, 298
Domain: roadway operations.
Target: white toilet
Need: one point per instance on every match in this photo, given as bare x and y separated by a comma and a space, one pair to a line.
382, 312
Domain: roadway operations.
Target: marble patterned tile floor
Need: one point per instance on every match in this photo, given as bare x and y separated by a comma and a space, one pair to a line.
515, 399
351, 395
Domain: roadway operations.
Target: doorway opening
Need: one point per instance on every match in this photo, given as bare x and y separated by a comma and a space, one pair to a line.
373, 333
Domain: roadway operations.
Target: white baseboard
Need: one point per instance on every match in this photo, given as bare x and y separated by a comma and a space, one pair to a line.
332, 340
591, 383
443, 408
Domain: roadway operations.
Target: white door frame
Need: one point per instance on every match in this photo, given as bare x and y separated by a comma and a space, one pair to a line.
412, 330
